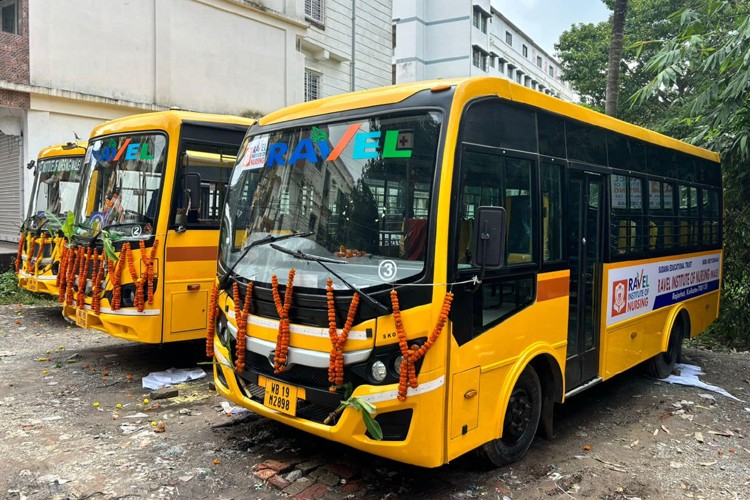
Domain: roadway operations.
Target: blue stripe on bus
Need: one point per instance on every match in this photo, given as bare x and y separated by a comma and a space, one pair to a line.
669, 298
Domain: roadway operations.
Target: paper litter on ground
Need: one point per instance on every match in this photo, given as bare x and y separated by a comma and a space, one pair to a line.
689, 376
157, 380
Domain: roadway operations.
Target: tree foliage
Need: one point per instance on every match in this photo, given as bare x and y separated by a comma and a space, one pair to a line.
704, 73
583, 51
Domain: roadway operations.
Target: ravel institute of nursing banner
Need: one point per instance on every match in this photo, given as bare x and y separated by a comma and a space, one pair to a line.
636, 290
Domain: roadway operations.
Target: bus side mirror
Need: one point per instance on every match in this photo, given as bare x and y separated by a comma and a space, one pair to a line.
193, 190
489, 238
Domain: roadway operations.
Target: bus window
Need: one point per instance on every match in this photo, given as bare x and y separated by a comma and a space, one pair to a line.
212, 166
688, 216
551, 212
627, 230
494, 180
711, 216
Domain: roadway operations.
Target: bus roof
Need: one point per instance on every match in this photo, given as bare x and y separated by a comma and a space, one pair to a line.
164, 120
63, 149
474, 87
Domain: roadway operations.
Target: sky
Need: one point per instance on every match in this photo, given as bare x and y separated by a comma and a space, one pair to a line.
545, 20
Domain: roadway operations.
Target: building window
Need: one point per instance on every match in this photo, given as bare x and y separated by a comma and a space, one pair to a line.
479, 20
508, 38
492, 61
479, 59
315, 10
9, 12
393, 36
312, 85
539, 61
518, 77
525, 51
551, 71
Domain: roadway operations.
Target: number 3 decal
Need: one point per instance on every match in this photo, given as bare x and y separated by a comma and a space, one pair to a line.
387, 270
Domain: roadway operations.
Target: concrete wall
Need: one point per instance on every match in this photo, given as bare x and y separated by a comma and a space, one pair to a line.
204, 55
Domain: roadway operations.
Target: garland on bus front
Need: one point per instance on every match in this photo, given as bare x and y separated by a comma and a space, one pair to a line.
19, 254
148, 262
282, 339
407, 371
240, 316
213, 310
83, 272
336, 356
70, 272
29, 253
60, 279
97, 277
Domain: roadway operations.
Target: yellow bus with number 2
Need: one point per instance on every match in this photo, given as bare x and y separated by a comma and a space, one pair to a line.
452, 258
147, 217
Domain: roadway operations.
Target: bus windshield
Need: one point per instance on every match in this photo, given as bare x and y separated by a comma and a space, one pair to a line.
358, 190
121, 184
56, 185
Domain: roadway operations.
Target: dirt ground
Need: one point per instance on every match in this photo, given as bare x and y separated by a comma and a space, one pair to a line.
63, 435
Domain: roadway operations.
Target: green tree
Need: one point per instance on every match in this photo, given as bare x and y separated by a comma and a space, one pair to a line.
707, 66
583, 51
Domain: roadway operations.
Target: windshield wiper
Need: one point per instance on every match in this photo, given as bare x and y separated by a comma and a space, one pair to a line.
266, 239
299, 254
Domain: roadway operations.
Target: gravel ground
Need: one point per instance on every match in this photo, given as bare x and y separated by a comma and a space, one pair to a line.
64, 435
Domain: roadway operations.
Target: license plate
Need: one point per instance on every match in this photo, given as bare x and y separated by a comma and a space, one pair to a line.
281, 397
33, 285
82, 318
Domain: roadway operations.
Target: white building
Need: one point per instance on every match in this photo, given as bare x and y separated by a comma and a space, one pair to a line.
450, 38
67, 66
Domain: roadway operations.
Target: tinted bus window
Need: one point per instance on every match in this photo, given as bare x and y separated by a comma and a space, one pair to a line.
586, 143
494, 123
551, 212
551, 135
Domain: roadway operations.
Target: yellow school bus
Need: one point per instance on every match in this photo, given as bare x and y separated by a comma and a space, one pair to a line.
455, 256
57, 174
147, 220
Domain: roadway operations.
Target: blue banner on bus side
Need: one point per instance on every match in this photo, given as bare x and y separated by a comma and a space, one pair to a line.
641, 288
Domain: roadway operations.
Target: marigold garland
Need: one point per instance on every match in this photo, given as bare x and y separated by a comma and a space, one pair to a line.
240, 316
213, 309
96, 280
61, 274
60, 278
70, 272
282, 339
407, 371
39, 254
336, 356
148, 262
19, 254
83, 272
116, 278
29, 253
138, 301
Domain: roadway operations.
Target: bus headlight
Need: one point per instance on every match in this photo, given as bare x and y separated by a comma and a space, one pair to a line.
397, 364
127, 295
378, 371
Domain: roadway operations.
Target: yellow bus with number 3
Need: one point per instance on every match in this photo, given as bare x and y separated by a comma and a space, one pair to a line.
452, 258
147, 218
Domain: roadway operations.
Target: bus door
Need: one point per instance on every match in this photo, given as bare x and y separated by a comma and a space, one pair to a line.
206, 156
584, 248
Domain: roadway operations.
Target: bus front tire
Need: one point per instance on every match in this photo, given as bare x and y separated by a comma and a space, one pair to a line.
661, 365
521, 421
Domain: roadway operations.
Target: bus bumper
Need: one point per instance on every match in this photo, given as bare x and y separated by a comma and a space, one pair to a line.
38, 284
421, 415
126, 323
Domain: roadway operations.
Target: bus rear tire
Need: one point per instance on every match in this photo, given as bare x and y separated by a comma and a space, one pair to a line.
521, 421
661, 365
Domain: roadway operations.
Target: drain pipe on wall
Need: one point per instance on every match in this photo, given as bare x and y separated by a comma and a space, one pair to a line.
354, 44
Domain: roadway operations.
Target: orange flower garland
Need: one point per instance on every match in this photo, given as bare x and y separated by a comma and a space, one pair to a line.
60, 279
83, 269
240, 316
213, 309
336, 357
21, 241
29, 253
70, 272
282, 340
407, 372
96, 281
116, 278
39, 254
148, 262
128, 252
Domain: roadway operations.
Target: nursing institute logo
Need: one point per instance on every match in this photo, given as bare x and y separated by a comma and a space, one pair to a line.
619, 294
